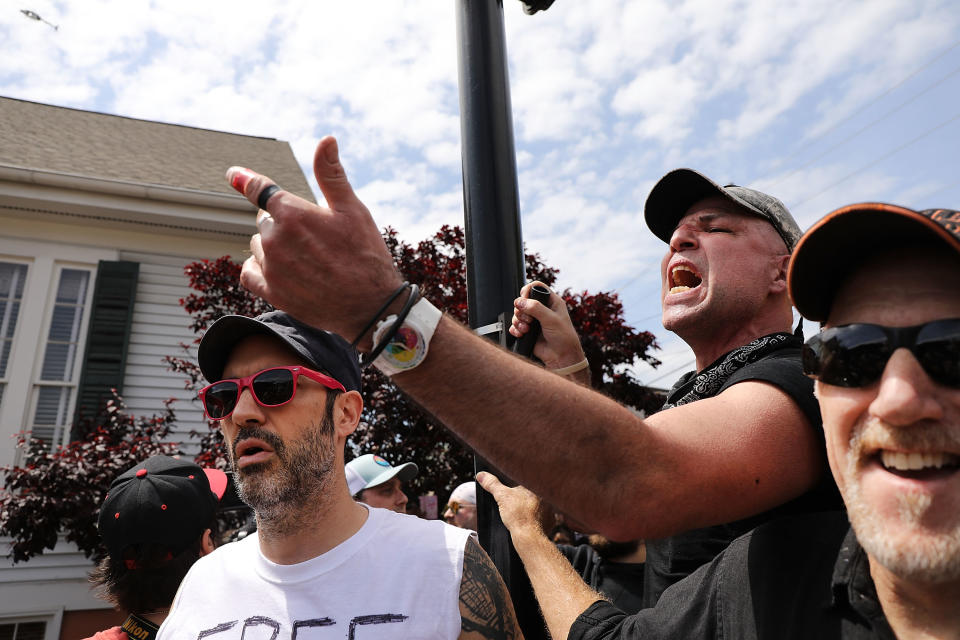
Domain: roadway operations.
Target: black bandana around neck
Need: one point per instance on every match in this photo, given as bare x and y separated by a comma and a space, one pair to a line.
693, 386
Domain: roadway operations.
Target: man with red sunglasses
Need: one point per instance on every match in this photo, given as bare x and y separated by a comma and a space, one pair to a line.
287, 396
885, 280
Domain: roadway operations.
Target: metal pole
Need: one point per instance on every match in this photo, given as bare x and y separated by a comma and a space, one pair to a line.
495, 265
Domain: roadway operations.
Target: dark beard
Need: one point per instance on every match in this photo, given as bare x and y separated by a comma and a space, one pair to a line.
298, 475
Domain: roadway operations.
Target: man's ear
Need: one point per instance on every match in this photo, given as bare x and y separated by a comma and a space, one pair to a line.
780, 265
346, 412
207, 545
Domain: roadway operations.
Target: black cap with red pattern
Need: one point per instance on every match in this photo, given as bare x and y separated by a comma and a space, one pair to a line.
164, 501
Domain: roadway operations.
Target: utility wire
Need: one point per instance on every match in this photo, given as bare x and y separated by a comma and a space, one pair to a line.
685, 365
939, 190
863, 107
878, 160
865, 127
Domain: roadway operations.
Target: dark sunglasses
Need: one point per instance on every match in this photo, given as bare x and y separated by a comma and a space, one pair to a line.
272, 387
855, 355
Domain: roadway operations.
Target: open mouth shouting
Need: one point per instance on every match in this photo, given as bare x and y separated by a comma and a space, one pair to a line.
683, 277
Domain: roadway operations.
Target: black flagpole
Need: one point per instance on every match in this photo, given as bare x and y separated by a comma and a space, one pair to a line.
495, 265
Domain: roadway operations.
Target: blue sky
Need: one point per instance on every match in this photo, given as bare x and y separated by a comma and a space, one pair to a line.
820, 102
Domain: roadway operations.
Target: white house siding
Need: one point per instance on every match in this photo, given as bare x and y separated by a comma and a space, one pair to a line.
44, 588
160, 326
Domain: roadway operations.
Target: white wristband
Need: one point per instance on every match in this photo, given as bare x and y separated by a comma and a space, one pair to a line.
573, 368
409, 345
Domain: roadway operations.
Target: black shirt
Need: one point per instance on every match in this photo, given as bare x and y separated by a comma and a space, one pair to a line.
669, 560
621, 582
798, 577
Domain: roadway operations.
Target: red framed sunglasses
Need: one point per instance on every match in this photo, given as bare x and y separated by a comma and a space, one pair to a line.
273, 387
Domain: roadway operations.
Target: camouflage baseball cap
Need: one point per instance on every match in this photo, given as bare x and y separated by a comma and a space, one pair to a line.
680, 189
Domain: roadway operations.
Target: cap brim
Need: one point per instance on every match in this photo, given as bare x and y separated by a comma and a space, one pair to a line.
677, 191
218, 482
405, 472
841, 240
673, 195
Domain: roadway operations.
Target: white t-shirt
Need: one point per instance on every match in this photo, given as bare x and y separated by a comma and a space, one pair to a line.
397, 577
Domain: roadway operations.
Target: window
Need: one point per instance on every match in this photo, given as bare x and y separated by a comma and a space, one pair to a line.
54, 391
12, 277
23, 631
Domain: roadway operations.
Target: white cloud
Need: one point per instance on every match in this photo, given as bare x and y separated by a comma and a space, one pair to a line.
607, 95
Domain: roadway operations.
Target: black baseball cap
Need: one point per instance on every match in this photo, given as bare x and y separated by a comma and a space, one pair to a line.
325, 351
163, 500
842, 239
680, 189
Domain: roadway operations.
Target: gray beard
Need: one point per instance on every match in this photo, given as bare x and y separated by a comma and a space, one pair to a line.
295, 481
928, 557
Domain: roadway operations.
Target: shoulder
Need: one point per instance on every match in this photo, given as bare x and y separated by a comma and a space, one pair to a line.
783, 370
417, 531
486, 610
785, 556
780, 372
784, 364
794, 540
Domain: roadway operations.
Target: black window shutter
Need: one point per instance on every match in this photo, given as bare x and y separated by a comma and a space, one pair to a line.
105, 356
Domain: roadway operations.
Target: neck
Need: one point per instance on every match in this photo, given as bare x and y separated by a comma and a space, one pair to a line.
917, 609
723, 337
312, 529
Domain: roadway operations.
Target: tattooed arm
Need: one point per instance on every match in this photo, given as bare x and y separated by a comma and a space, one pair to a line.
486, 611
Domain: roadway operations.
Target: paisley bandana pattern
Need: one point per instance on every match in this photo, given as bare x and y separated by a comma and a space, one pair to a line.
694, 386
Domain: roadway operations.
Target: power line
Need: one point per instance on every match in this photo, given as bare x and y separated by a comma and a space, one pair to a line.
629, 282
674, 370
867, 126
940, 190
863, 107
878, 160
650, 317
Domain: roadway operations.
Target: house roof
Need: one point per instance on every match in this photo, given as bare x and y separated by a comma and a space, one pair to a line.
109, 147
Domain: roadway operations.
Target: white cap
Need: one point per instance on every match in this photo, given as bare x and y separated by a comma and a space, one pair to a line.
370, 470
466, 493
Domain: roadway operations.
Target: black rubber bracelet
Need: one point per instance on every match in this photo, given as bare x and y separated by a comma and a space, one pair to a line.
265, 195
376, 316
378, 349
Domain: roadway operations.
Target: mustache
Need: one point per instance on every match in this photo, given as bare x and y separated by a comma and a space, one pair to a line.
272, 439
924, 436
